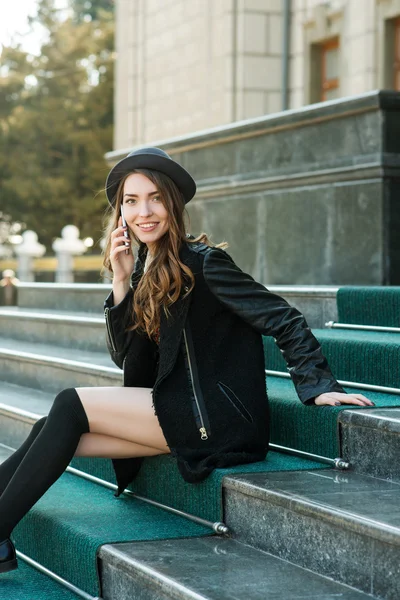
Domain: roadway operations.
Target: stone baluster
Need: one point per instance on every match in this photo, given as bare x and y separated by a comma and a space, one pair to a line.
66, 247
26, 251
107, 275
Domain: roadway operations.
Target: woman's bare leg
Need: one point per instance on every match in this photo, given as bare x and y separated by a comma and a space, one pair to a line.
124, 415
122, 423
104, 446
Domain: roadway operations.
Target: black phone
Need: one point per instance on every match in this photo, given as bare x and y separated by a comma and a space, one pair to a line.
126, 234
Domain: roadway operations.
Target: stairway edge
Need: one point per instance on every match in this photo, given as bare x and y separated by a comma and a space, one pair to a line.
57, 361
120, 560
311, 508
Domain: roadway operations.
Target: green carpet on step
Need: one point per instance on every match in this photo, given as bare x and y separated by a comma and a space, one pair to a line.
359, 356
65, 528
311, 428
160, 480
27, 583
375, 305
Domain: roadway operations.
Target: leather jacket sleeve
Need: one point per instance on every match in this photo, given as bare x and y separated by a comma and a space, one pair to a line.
269, 314
117, 319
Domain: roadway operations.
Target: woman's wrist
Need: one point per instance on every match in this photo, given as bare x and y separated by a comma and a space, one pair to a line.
120, 289
125, 281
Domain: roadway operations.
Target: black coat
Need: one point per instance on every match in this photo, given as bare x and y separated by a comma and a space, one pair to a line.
207, 376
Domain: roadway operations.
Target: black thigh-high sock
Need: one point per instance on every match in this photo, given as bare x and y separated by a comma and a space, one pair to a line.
11, 464
46, 459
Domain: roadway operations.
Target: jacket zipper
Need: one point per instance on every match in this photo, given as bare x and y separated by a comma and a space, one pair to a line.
110, 335
203, 428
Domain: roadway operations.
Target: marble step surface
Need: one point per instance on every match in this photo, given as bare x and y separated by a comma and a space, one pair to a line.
317, 303
84, 297
51, 368
371, 441
340, 524
209, 568
212, 568
20, 408
82, 331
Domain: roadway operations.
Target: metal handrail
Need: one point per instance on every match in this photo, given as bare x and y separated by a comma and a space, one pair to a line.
52, 575
217, 527
338, 463
335, 325
349, 384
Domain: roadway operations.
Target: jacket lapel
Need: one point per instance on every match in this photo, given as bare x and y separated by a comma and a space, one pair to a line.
171, 327
170, 336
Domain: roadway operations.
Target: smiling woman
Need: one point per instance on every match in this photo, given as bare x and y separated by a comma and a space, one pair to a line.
187, 332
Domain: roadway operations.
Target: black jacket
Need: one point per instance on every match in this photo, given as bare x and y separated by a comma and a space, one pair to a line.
207, 376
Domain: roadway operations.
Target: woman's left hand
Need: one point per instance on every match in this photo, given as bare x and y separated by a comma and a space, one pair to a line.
337, 398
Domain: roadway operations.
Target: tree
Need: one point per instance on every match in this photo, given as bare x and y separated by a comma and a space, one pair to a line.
56, 124
84, 9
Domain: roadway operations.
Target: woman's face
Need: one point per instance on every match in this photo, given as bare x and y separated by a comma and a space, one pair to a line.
142, 206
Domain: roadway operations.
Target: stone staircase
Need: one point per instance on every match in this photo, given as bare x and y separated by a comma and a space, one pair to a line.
311, 534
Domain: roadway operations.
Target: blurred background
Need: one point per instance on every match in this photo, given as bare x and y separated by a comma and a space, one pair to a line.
82, 82
56, 123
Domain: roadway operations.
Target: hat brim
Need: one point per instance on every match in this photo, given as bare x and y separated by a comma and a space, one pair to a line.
178, 174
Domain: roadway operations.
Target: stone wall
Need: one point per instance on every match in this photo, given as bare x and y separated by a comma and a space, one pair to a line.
305, 197
173, 68
186, 65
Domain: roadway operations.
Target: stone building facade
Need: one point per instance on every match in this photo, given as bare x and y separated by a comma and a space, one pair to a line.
190, 65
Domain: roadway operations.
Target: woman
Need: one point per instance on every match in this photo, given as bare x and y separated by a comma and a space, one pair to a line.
186, 327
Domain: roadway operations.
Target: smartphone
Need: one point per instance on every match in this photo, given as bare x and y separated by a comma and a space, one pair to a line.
126, 234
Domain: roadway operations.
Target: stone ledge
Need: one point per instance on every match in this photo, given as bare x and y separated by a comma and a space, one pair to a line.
369, 102
296, 491
383, 419
209, 568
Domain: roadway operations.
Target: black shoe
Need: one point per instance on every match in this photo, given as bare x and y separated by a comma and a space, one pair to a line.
8, 558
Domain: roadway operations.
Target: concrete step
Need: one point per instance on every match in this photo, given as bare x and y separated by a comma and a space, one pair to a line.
344, 526
361, 356
317, 303
20, 408
259, 520
81, 297
82, 331
51, 368
371, 441
369, 305
208, 568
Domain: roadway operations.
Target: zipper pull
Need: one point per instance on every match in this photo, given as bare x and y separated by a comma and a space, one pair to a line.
203, 432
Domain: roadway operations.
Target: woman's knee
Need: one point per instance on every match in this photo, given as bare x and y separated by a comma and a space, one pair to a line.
37, 427
68, 403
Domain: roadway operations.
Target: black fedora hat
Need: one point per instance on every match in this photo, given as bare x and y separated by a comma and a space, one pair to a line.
150, 158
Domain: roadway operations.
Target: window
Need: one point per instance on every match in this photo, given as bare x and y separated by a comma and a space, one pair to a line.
330, 69
396, 64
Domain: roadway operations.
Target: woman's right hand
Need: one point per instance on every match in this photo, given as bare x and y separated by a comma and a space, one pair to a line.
122, 264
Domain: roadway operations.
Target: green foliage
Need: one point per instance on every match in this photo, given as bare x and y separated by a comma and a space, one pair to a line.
56, 122
90, 8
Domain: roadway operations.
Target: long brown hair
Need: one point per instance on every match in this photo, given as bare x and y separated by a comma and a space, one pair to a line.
161, 285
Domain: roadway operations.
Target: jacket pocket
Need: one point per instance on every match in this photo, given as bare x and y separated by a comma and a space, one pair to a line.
234, 400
